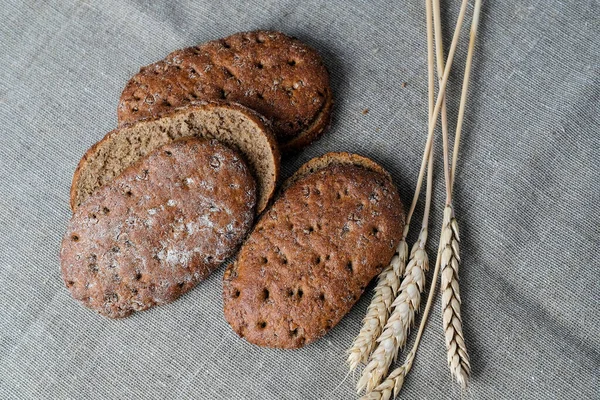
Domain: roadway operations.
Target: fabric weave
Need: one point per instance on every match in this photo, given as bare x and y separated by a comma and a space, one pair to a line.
527, 196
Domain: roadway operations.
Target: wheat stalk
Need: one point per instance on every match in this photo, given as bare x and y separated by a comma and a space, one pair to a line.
379, 309
448, 252
405, 306
439, 50
458, 358
465, 88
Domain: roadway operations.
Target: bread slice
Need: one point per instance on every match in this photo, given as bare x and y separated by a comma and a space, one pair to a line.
335, 158
232, 124
160, 227
313, 252
278, 76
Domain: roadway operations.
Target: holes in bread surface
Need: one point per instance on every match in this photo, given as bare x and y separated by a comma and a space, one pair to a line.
300, 293
349, 266
110, 298
264, 294
228, 74
261, 324
236, 293
260, 65
168, 153
138, 275
260, 96
292, 63
226, 45
74, 237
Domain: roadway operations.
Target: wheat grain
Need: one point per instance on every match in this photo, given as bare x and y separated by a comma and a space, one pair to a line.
379, 309
401, 319
458, 359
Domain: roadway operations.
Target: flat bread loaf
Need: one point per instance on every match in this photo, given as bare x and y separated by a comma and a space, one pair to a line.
313, 252
267, 71
160, 227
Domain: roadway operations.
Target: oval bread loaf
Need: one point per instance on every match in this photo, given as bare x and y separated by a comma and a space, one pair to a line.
236, 126
269, 72
160, 227
311, 255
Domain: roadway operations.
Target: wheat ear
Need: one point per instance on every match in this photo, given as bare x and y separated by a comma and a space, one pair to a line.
458, 359
402, 318
379, 309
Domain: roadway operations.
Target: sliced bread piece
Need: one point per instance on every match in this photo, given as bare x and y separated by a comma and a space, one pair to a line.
338, 158
232, 124
276, 75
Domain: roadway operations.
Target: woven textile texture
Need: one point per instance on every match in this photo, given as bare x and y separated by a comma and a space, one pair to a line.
527, 196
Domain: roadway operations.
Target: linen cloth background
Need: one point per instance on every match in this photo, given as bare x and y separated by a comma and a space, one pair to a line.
527, 196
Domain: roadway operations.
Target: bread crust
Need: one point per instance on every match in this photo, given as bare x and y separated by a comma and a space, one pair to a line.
276, 75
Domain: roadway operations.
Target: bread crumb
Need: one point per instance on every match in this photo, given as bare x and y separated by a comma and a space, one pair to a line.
404, 84
365, 111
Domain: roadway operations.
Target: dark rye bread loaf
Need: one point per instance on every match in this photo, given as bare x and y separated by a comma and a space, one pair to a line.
313, 252
160, 227
269, 72
235, 125
337, 158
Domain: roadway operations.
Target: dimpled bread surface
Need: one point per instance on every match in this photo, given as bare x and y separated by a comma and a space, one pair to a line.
311, 255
